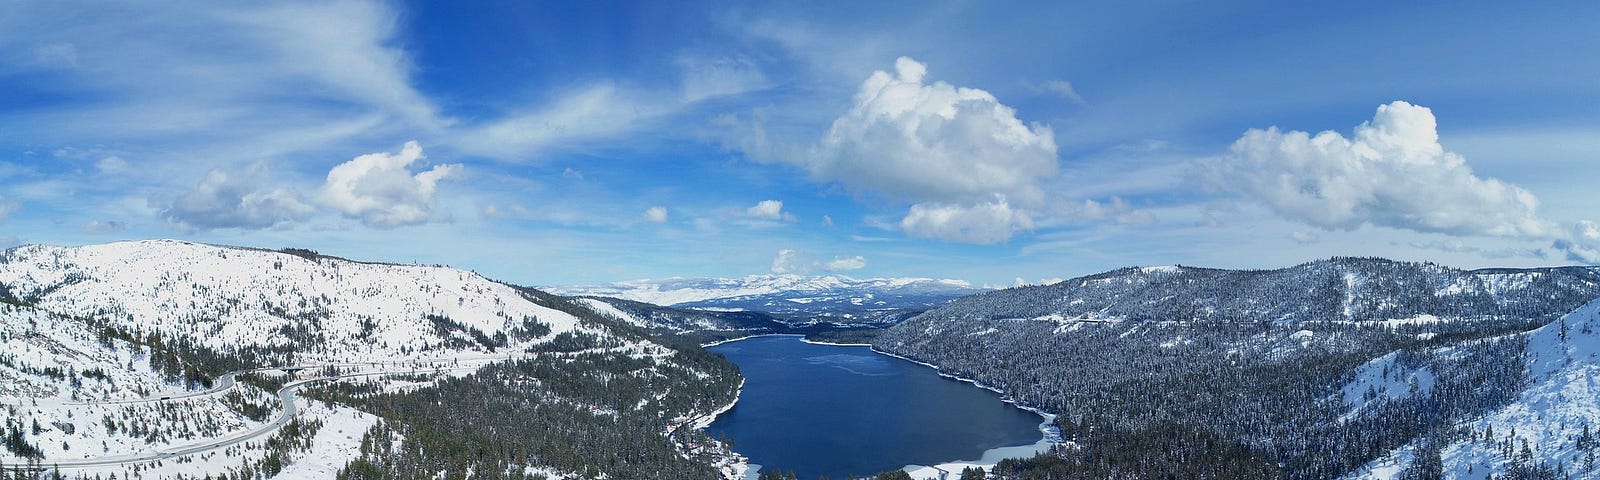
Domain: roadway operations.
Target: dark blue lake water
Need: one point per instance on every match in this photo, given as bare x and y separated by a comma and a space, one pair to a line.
838, 410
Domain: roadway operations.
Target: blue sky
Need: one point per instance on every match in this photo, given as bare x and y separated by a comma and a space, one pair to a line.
546, 143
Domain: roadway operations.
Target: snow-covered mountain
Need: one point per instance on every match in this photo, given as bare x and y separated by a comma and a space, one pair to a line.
229, 299
1341, 289
698, 326
111, 353
1326, 369
787, 295
1551, 428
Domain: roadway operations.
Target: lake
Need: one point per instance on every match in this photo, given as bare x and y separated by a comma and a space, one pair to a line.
841, 410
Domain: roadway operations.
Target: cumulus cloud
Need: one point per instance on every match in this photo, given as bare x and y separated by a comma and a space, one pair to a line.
950, 151
380, 189
1582, 243
1392, 172
656, 214
788, 261
228, 200
910, 139
983, 223
769, 210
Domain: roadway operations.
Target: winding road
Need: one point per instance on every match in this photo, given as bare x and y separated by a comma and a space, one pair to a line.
286, 397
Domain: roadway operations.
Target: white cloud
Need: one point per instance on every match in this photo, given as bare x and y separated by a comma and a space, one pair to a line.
346, 46
226, 200
769, 210
600, 110
656, 214
102, 227
381, 191
789, 261
1457, 246
111, 164
1392, 173
1582, 243
983, 223
1303, 237
908, 139
8, 207
211, 69
1063, 89
1116, 210
714, 77
845, 264
970, 168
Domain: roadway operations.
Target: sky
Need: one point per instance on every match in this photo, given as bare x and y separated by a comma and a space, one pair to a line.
563, 143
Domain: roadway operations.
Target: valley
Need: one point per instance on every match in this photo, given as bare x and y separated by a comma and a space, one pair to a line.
167, 359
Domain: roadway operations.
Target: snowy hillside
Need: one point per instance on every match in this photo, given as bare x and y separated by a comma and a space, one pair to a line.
1401, 294
225, 298
785, 294
115, 358
69, 393
1313, 371
1551, 428
43, 351
700, 326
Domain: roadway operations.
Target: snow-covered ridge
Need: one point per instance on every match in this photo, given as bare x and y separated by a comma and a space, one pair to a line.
1550, 417
225, 298
1341, 289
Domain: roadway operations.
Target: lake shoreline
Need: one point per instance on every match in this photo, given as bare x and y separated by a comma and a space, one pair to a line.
1050, 436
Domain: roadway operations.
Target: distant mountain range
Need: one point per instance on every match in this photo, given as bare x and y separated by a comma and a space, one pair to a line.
792, 297
1338, 368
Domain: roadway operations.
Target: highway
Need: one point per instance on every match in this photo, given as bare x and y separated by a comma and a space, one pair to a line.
286, 397
223, 384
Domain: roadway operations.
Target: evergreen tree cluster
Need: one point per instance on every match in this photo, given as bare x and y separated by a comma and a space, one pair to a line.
589, 413
1198, 373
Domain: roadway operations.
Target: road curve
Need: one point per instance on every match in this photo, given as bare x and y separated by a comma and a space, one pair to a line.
222, 384
286, 397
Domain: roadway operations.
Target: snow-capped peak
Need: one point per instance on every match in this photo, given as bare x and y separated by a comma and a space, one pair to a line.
679, 291
225, 298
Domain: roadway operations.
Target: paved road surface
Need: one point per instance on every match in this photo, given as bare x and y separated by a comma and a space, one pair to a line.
286, 396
